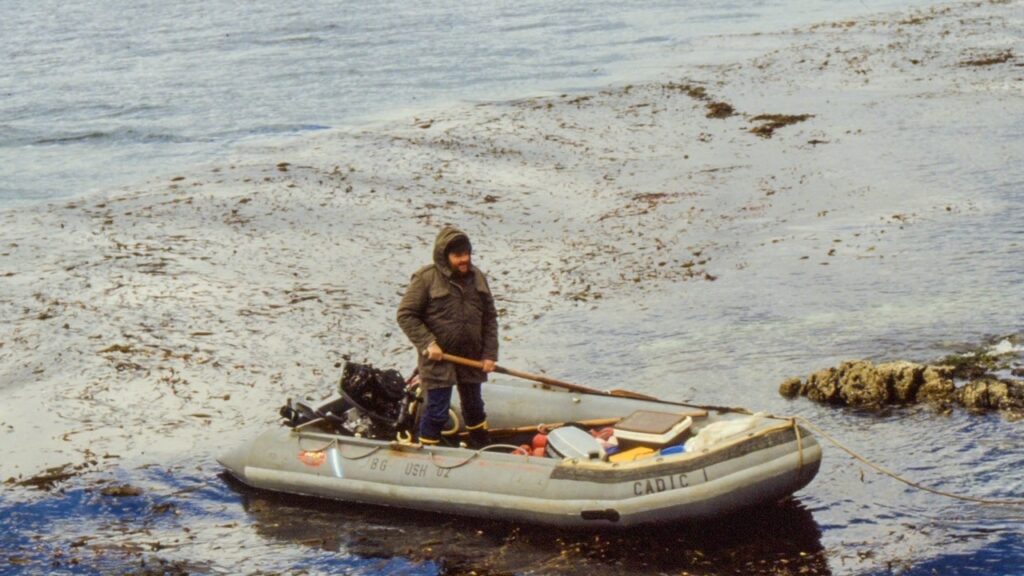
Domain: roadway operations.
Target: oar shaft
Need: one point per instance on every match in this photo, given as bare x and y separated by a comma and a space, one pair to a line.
519, 374
595, 423
546, 380
578, 388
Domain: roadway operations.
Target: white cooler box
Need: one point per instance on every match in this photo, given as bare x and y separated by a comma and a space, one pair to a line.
571, 442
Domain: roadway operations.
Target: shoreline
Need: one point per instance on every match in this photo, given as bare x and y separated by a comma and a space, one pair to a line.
637, 225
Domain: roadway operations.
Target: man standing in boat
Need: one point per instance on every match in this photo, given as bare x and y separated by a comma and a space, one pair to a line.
448, 308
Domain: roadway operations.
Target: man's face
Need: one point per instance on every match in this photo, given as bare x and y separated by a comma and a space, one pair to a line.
459, 262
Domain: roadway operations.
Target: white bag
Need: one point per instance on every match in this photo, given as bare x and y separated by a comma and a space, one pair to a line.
718, 431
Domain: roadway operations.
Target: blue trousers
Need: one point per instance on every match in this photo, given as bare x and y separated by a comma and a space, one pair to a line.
439, 401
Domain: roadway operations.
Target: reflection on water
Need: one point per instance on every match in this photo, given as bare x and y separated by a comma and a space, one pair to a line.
180, 518
783, 538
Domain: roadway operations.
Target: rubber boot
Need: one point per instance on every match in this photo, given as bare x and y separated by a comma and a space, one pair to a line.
428, 441
479, 438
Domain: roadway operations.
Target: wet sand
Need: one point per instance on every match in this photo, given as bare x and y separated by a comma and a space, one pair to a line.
158, 325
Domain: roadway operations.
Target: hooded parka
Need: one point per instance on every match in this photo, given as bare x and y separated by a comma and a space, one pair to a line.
456, 312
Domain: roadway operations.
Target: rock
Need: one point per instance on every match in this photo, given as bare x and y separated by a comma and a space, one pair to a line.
863, 386
938, 389
1012, 405
823, 386
975, 395
790, 388
905, 379
993, 394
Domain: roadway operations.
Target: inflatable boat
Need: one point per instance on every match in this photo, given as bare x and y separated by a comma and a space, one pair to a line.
556, 456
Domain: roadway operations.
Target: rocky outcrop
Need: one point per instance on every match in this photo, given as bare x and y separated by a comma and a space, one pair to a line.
992, 394
862, 384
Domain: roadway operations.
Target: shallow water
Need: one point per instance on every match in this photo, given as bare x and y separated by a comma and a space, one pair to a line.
190, 519
284, 533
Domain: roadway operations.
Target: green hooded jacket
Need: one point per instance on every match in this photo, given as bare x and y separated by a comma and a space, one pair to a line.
457, 313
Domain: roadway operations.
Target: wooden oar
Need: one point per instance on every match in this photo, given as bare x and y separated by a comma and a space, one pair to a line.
595, 423
546, 380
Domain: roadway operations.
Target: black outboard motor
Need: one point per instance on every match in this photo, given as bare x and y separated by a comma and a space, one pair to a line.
374, 403
297, 412
382, 396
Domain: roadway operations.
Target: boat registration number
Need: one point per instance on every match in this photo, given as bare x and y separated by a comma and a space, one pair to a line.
412, 469
655, 485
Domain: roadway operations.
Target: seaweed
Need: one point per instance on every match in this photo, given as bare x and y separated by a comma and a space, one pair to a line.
990, 59
772, 122
720, 110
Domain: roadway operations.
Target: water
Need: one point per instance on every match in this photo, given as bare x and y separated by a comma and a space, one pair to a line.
97, 95
108, 101
292, 534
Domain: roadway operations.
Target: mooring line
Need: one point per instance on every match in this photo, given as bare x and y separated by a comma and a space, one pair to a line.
371, 452
881, 469
799, 445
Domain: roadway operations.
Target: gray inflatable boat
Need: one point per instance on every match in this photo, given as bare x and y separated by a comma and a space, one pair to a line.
673, 462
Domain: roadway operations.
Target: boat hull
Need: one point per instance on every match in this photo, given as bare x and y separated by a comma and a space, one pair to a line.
764, 465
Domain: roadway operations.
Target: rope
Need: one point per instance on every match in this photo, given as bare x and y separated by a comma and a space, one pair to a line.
334, 443
799, 445
361, 456
879, 468
323, 448
471, 456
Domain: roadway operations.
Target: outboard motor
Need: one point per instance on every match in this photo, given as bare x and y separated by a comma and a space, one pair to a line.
374, 403
296, 412
381, 396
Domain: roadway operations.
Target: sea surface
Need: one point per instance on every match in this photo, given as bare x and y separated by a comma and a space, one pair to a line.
98, 95
104, 96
